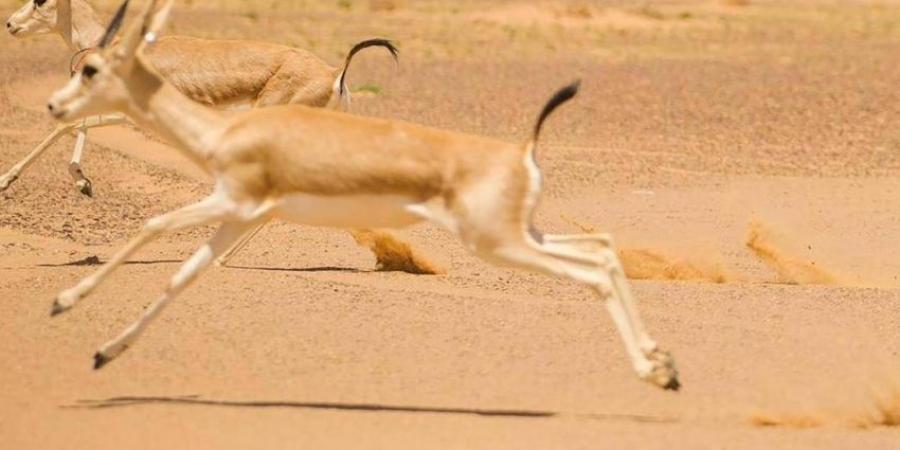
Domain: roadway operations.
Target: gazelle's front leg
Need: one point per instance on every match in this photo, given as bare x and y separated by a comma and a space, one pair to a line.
224, 238
81, 182
93, 122
13, 174
214, 208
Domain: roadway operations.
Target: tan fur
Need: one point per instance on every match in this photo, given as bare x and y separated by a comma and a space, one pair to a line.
332, 169
225, 72
326, 153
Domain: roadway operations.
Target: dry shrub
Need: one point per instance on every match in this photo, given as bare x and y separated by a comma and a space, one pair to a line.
393, 255
770, 248
881, 409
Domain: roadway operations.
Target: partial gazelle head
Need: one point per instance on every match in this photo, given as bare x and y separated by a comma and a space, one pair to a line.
102, 84
39, 17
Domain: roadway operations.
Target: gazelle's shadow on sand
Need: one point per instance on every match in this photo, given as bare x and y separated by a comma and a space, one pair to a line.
96, 261
195, 401
299, 269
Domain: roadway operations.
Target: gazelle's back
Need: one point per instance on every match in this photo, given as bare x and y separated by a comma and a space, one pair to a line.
224, 72
317, 151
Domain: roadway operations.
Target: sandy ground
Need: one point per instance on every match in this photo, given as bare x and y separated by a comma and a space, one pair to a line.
696, 121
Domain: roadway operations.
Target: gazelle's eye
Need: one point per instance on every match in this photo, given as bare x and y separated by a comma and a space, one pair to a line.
39, 3
88, 72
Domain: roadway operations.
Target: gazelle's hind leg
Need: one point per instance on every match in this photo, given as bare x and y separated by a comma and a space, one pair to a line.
287, 87
601, 245
222, 260
224, 238
600, 271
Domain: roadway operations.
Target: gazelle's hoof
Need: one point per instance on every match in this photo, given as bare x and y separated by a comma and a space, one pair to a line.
665, 377
64, 301
108, 353
673, 384
663, 374
100, 360
57, 309
5, 182
85, 187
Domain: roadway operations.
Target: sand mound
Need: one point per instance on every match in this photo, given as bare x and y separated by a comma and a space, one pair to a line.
771, 248
393, 255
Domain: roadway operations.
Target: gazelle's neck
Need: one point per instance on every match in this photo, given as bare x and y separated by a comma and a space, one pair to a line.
86, 28
182, 122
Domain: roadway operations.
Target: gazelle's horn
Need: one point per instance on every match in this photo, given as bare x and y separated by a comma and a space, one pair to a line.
114, 25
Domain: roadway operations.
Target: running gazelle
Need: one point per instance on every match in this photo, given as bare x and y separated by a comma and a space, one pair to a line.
322, 168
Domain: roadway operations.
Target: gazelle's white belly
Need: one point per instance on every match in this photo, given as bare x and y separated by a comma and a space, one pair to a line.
351, 211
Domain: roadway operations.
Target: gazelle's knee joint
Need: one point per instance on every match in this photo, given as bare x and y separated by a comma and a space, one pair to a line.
608, 259
604, 239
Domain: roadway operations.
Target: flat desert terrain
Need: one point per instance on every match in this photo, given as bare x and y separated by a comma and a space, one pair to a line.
744, 154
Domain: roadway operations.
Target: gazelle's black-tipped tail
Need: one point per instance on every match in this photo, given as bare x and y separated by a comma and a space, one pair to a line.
563, 95
341, 84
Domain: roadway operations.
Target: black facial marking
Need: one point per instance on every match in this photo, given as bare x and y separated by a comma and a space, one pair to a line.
89, 72
39, 3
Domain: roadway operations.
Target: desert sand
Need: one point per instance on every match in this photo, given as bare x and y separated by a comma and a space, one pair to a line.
745, 155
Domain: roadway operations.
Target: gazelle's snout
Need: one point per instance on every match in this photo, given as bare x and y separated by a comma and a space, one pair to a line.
56, 110
30, 19
62, 103
53, 109
12, 28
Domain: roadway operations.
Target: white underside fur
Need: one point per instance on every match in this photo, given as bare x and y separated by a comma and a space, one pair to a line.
352, 211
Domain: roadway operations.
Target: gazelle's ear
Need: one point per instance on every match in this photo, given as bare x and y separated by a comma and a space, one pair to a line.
151, 22
64, 18
155, 21
114, 25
